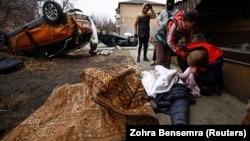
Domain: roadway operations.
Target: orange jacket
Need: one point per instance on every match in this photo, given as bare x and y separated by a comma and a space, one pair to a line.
213, 52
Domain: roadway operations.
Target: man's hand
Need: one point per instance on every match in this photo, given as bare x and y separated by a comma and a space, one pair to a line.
149, 5
183, 55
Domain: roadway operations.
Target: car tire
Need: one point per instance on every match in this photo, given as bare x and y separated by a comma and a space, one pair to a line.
104, 32
52, 13
132, 41
3, 40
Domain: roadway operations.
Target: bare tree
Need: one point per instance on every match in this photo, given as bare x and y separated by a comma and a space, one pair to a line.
14, 13
103, 22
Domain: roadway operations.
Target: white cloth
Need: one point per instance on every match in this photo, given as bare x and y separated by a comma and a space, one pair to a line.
159, 80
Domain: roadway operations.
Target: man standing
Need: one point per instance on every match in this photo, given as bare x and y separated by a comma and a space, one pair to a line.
142, 29
163, 17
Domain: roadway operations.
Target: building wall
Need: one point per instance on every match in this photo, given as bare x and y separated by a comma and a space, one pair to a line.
128, 14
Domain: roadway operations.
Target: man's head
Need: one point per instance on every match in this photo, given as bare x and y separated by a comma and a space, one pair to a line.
189, 19
170, 4
196, 58
146, 7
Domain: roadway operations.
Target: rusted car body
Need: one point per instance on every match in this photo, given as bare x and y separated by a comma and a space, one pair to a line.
55, 33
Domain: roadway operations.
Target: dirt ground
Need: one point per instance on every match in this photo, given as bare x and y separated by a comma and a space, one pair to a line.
24, 91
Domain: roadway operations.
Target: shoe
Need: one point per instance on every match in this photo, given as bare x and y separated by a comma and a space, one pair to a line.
138, 60
152, 63
145, 59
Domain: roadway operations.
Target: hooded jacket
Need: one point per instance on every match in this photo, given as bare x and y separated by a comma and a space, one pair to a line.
165, 14
170, 33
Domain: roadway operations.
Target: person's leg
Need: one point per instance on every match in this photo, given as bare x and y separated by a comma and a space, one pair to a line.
140, 39
175, 102
160, 54
163, 55
145, 47
154, 58
179, 110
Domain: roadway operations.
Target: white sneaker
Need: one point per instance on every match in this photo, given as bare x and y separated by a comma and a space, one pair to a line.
152, 63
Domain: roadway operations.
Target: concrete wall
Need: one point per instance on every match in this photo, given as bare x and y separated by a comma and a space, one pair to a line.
128, 14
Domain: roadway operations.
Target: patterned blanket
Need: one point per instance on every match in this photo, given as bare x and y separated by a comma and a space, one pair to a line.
97, 109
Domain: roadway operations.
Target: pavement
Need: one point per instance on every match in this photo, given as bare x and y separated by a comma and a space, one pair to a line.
208, 110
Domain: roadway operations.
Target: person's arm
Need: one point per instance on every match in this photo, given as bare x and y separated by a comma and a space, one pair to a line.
160, 19
136, 26
183, 76
152, 13
170, 36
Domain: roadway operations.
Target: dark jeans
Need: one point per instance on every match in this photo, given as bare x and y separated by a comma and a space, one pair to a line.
175, 103
143, 41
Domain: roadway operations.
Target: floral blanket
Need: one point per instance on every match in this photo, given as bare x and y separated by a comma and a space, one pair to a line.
97, 109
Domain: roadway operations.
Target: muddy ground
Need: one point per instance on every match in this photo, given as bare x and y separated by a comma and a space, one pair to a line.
24, 91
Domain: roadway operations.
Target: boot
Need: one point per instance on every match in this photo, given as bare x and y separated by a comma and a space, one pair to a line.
138, 59
145, 59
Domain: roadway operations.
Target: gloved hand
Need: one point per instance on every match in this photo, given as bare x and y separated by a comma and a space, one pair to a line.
136, 35
181, 53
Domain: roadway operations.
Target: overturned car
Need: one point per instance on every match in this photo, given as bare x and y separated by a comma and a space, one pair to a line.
113, 40
55, 33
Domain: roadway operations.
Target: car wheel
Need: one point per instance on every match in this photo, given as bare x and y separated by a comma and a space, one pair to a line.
104, 32
53, 12
3, 40
131, 39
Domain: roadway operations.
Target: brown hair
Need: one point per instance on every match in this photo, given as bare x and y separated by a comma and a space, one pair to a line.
196, 58
191, 16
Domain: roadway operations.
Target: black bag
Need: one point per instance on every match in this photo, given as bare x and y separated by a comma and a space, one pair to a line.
9, 64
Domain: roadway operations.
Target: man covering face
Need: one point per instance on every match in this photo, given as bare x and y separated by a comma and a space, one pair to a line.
170, 4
